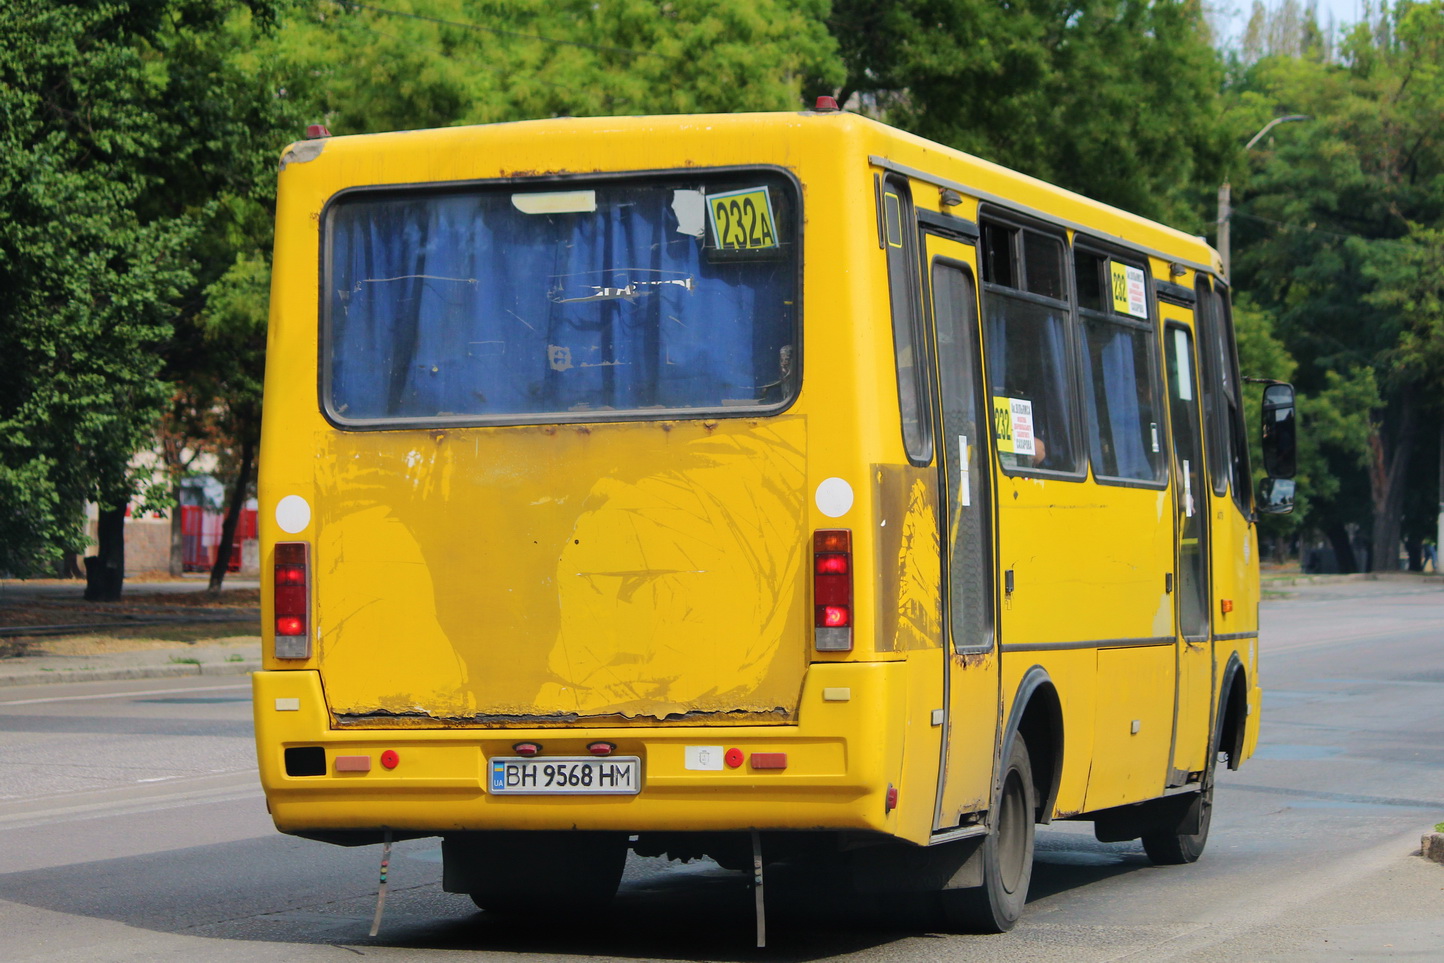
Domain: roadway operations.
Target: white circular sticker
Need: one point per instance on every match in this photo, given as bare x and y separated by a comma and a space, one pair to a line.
293, 514
834, 498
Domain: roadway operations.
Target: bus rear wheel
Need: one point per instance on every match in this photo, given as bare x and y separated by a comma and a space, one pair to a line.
1176, 849
1007, 855
528, 872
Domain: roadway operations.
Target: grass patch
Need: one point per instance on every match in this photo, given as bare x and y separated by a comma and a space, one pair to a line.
1439, 828
235, 658
177, 660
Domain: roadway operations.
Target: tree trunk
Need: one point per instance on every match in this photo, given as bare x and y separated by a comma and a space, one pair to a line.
105, 571
1388, 466
1344, 561
233, 515
177, 538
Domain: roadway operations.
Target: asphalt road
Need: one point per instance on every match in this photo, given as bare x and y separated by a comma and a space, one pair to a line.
132, 830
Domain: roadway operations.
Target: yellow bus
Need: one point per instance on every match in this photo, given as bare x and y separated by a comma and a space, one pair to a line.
770, 486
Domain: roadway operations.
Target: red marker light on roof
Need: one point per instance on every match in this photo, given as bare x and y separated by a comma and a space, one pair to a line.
826, 103
313, 131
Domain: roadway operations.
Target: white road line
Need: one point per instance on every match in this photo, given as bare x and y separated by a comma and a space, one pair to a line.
121, 695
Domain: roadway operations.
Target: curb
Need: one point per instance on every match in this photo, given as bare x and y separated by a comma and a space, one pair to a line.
1432, 847
36, 677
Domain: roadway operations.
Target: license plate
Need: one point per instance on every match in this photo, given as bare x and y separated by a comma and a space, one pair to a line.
565, 775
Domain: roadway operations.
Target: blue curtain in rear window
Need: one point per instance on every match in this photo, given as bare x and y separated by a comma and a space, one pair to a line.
461, 306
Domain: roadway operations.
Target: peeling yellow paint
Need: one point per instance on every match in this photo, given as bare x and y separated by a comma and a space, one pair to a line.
661, 574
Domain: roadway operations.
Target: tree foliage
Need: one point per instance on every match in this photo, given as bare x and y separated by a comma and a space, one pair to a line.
89, 274
1336, 236
398, 65
1116, 99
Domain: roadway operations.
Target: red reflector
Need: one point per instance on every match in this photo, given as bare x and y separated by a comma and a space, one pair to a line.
834, 616
733, 758
290, 625
831, 565
601, 748
526, 748
769, 760
389, 759
353, 763
891, 802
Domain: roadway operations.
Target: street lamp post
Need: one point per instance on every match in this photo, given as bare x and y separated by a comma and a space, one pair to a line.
1225, 210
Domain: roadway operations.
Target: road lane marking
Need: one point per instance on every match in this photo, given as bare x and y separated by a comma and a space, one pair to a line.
121, 695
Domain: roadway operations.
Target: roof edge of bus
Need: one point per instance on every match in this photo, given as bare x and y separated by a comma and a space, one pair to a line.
306, 150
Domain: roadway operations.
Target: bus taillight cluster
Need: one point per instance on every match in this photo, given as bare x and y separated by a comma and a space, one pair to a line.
832, 589
293, 600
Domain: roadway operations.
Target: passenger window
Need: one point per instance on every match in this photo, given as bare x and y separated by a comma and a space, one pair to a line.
1121, 389
902, 273
1043, 265
1029, 344
998, 255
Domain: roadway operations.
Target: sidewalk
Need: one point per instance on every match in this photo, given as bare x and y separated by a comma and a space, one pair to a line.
224, 658
102, 656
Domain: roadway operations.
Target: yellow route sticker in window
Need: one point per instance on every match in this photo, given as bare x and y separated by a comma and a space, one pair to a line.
742, 220
1013, 425
1130, 294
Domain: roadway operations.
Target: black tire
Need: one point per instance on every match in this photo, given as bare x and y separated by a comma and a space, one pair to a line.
1007, 855
525, 874
1176, 849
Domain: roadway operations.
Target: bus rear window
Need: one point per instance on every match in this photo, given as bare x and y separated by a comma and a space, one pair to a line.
588, 302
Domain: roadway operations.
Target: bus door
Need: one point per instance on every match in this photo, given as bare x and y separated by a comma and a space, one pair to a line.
1191, 569
971, 694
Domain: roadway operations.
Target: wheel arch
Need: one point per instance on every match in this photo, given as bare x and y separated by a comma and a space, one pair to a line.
1233, 711
1037, 715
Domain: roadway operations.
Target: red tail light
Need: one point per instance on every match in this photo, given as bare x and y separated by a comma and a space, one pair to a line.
292, 566
832, 589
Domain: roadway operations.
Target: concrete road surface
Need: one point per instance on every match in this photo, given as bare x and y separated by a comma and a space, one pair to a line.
132, 830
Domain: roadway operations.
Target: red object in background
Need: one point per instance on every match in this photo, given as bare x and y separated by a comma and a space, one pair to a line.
201, 536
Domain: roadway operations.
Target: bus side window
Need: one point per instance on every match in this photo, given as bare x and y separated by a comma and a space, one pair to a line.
1122, 411
1226, 438
1027, 324
900, 236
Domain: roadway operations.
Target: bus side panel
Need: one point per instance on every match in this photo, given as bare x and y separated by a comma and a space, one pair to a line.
1107, 587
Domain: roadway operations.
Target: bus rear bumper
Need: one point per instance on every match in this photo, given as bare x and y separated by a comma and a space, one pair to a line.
830, 769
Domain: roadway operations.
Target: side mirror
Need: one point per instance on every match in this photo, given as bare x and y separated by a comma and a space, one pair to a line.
1280, 443
1275, 496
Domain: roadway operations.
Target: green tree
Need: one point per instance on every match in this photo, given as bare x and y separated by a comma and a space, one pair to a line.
1320, 236
394, 65
1116, 99
125, 129
89, 279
